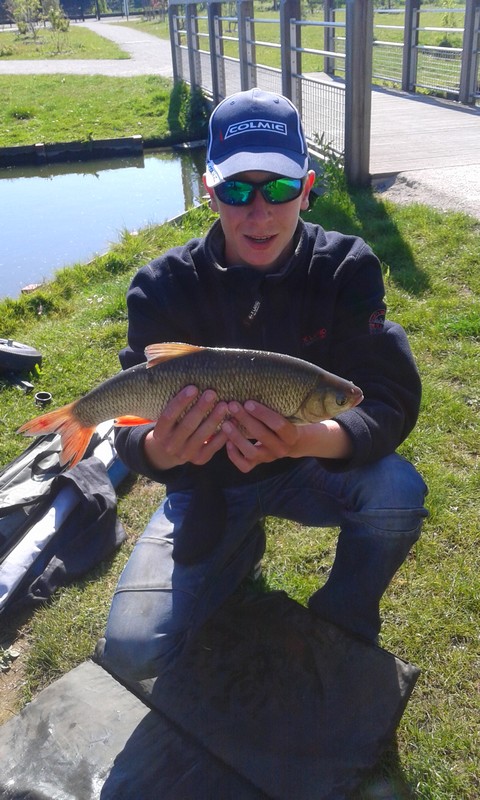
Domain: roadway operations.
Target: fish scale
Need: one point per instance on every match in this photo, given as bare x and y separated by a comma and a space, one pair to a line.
145, 392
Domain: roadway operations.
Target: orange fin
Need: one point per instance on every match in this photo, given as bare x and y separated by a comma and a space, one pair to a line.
75, 436
129, 421
165, 351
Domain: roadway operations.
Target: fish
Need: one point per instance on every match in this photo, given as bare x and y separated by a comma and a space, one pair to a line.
300, 391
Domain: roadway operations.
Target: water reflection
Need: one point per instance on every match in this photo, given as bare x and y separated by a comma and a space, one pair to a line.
60, 214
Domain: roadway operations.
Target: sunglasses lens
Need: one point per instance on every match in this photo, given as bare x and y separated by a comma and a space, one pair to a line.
241, 193
235, 193
282, 190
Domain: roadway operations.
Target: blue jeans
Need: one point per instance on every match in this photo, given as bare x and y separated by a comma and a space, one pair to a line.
160, 604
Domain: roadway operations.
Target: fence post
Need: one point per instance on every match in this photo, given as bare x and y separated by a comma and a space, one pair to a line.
410, 45
191, 24
217, 65
329, 37
175, 42
358, 91
289, 9
470, 46
246, 46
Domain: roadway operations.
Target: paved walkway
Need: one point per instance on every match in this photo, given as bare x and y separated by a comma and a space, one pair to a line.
149, 55
422, 149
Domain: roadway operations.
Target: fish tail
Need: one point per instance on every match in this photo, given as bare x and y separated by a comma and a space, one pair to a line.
75, 436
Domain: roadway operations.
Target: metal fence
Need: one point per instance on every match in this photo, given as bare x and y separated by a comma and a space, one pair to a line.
218, 52
441, 58
413, 54
214, 46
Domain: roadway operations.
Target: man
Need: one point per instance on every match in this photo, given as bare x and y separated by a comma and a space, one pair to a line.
263, 279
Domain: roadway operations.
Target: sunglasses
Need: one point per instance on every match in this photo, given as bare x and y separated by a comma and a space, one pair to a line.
275, 192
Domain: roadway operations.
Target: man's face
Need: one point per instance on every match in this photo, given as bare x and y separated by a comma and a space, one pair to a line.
260, 235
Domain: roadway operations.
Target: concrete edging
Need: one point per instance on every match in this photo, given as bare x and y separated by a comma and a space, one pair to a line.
37, 154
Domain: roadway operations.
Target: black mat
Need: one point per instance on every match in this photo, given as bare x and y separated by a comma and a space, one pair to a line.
268, 704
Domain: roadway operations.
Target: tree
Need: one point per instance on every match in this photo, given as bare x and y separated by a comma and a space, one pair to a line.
26, 14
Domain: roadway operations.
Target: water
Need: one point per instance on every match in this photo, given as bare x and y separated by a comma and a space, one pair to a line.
61, 214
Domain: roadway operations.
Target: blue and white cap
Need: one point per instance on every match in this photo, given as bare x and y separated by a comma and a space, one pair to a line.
255, 130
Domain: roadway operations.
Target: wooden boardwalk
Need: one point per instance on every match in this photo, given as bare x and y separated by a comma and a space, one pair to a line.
413, 132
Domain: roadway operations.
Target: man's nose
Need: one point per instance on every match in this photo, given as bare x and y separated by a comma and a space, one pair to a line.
259, 205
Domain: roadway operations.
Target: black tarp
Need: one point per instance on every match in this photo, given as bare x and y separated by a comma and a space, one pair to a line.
268, 703
56, 523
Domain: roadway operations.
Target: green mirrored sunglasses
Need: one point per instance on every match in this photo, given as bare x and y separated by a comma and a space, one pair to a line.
241, 193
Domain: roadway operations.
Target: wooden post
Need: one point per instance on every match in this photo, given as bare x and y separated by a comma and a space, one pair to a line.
410, 45
358, 91
246, 47
217, 64
289, 9
329, 37
174, 42
471, 40
191, 23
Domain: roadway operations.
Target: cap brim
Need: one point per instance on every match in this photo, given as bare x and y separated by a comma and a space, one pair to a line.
290, 165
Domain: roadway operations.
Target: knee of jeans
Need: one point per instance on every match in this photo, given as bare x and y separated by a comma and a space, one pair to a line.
393, 482
134, 660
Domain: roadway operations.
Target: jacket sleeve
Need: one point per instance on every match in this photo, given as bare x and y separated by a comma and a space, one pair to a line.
151, 319
375, 354
383, 366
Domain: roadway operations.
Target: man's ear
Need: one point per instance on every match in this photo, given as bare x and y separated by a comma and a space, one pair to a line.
211, 194
309, 181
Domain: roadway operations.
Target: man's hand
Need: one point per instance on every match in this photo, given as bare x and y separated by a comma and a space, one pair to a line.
186, 432
258, 435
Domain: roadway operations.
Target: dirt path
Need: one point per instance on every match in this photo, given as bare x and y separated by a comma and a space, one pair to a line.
13, 653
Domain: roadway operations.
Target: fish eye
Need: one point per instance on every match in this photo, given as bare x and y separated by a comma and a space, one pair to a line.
341, 399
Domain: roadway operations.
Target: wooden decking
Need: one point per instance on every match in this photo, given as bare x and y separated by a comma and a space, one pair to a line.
411, 132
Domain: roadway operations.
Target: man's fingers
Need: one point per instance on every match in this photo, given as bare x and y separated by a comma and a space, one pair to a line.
176, 407
189, 421
262, 423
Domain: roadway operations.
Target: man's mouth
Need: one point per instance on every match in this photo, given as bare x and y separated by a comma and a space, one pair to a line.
259, 239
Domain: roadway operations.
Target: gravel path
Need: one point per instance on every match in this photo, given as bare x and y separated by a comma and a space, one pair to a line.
447, 189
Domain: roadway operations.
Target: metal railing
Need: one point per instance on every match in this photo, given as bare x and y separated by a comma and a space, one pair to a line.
219, 52
426, 57
336, 114
414, 53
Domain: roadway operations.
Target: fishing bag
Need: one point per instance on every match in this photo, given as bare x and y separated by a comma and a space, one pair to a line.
56, 524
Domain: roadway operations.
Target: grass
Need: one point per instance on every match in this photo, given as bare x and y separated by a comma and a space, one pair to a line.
75, 43
64, 108
430, 262
431, 610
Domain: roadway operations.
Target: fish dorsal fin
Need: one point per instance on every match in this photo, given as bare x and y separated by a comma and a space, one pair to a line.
165, 351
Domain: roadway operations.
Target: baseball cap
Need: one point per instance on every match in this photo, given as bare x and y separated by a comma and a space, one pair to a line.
255, 130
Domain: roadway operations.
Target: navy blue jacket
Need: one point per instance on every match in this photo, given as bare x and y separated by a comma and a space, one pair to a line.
326, 306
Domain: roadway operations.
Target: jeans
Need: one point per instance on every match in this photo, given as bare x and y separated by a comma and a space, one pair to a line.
160, 604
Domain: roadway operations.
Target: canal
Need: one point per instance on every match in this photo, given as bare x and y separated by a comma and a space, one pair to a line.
61, 214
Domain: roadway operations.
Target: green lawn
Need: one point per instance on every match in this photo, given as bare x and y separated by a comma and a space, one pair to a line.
64, 108
77, 42
431, 611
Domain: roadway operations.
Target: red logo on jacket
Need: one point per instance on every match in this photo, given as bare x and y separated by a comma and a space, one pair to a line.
377, 321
